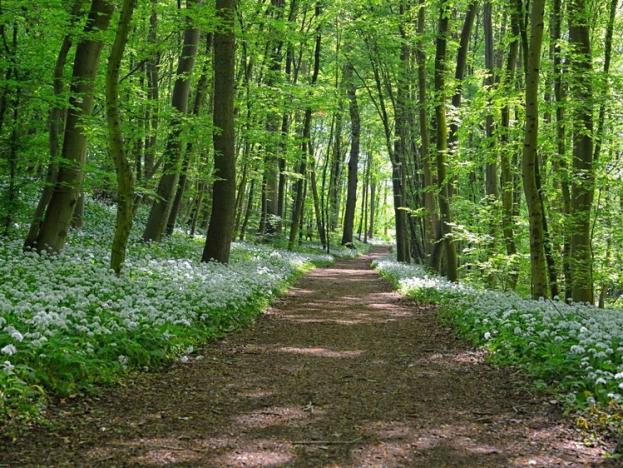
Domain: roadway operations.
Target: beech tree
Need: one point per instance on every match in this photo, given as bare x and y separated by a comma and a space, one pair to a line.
220, 230
125, 176
165, 193
481, 137
68, 185
353, 161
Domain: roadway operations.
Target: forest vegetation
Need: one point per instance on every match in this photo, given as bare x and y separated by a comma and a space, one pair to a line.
141, 139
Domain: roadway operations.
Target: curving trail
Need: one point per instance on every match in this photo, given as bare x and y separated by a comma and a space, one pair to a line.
340, 372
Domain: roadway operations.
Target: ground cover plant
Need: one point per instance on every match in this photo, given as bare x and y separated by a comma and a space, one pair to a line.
68, 322
574, 350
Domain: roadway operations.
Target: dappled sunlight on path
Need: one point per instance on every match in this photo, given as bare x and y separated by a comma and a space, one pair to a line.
341, 371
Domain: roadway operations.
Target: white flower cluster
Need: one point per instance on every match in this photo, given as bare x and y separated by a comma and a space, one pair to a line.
74, 302
75, 293
577, 347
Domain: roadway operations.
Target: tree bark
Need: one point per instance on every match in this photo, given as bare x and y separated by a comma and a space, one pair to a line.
201, 94
125, 177
507, 151
56, 125
560, 162
220, 231
431, 223
532, 52
68, 186
442, 144
583, 176
353, 163
165, 193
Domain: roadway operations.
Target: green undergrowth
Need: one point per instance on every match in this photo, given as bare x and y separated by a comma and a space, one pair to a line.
572, 352
68, 325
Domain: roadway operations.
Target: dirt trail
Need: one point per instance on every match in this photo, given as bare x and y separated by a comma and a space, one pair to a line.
340, 372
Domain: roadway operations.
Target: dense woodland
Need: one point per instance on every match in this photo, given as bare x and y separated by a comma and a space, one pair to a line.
484, 136
168, 167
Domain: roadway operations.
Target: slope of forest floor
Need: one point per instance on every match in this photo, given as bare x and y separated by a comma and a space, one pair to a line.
68, 323
341, 370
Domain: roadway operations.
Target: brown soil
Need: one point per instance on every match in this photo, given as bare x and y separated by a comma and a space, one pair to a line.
342, 371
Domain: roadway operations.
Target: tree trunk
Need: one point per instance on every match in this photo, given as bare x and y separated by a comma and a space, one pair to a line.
461, 65
200, 97
285, 129
442, 145
270, 184
335, 175
601, 120
316, 199
152, 117
125, 177
373, 207
56, 125
247, 213
560, 162
507, 151
68, 187
220, 231
364, 215
491, 170
353, 163
165, 193
430, 203
583, 175
532, 65
299, 202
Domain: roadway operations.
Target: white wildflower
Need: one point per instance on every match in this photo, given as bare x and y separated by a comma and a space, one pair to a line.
9, 349
8, 367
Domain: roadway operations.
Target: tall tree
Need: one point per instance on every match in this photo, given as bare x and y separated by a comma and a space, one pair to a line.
431, 222
299, 186
56, 125
583, 180
560, 161
445, 234
508, 149
532, 67
353, 162
68, 186
165, 193
270, 183
221, 227
125, 176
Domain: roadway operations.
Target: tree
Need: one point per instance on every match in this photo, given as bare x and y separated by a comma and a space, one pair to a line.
220, 230
582, 188
68, 186
56, 118
125, 176
299, 186
353, 162
532, 52
165, 193
445, 234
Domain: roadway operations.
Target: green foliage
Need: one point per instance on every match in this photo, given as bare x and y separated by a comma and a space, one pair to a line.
68, 325
573, 352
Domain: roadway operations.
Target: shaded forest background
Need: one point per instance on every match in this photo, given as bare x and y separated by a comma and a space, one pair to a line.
483, 136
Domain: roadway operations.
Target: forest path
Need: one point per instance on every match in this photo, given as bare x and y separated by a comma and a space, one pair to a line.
341, 371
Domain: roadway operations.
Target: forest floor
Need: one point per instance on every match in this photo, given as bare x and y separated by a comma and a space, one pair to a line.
341, 371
